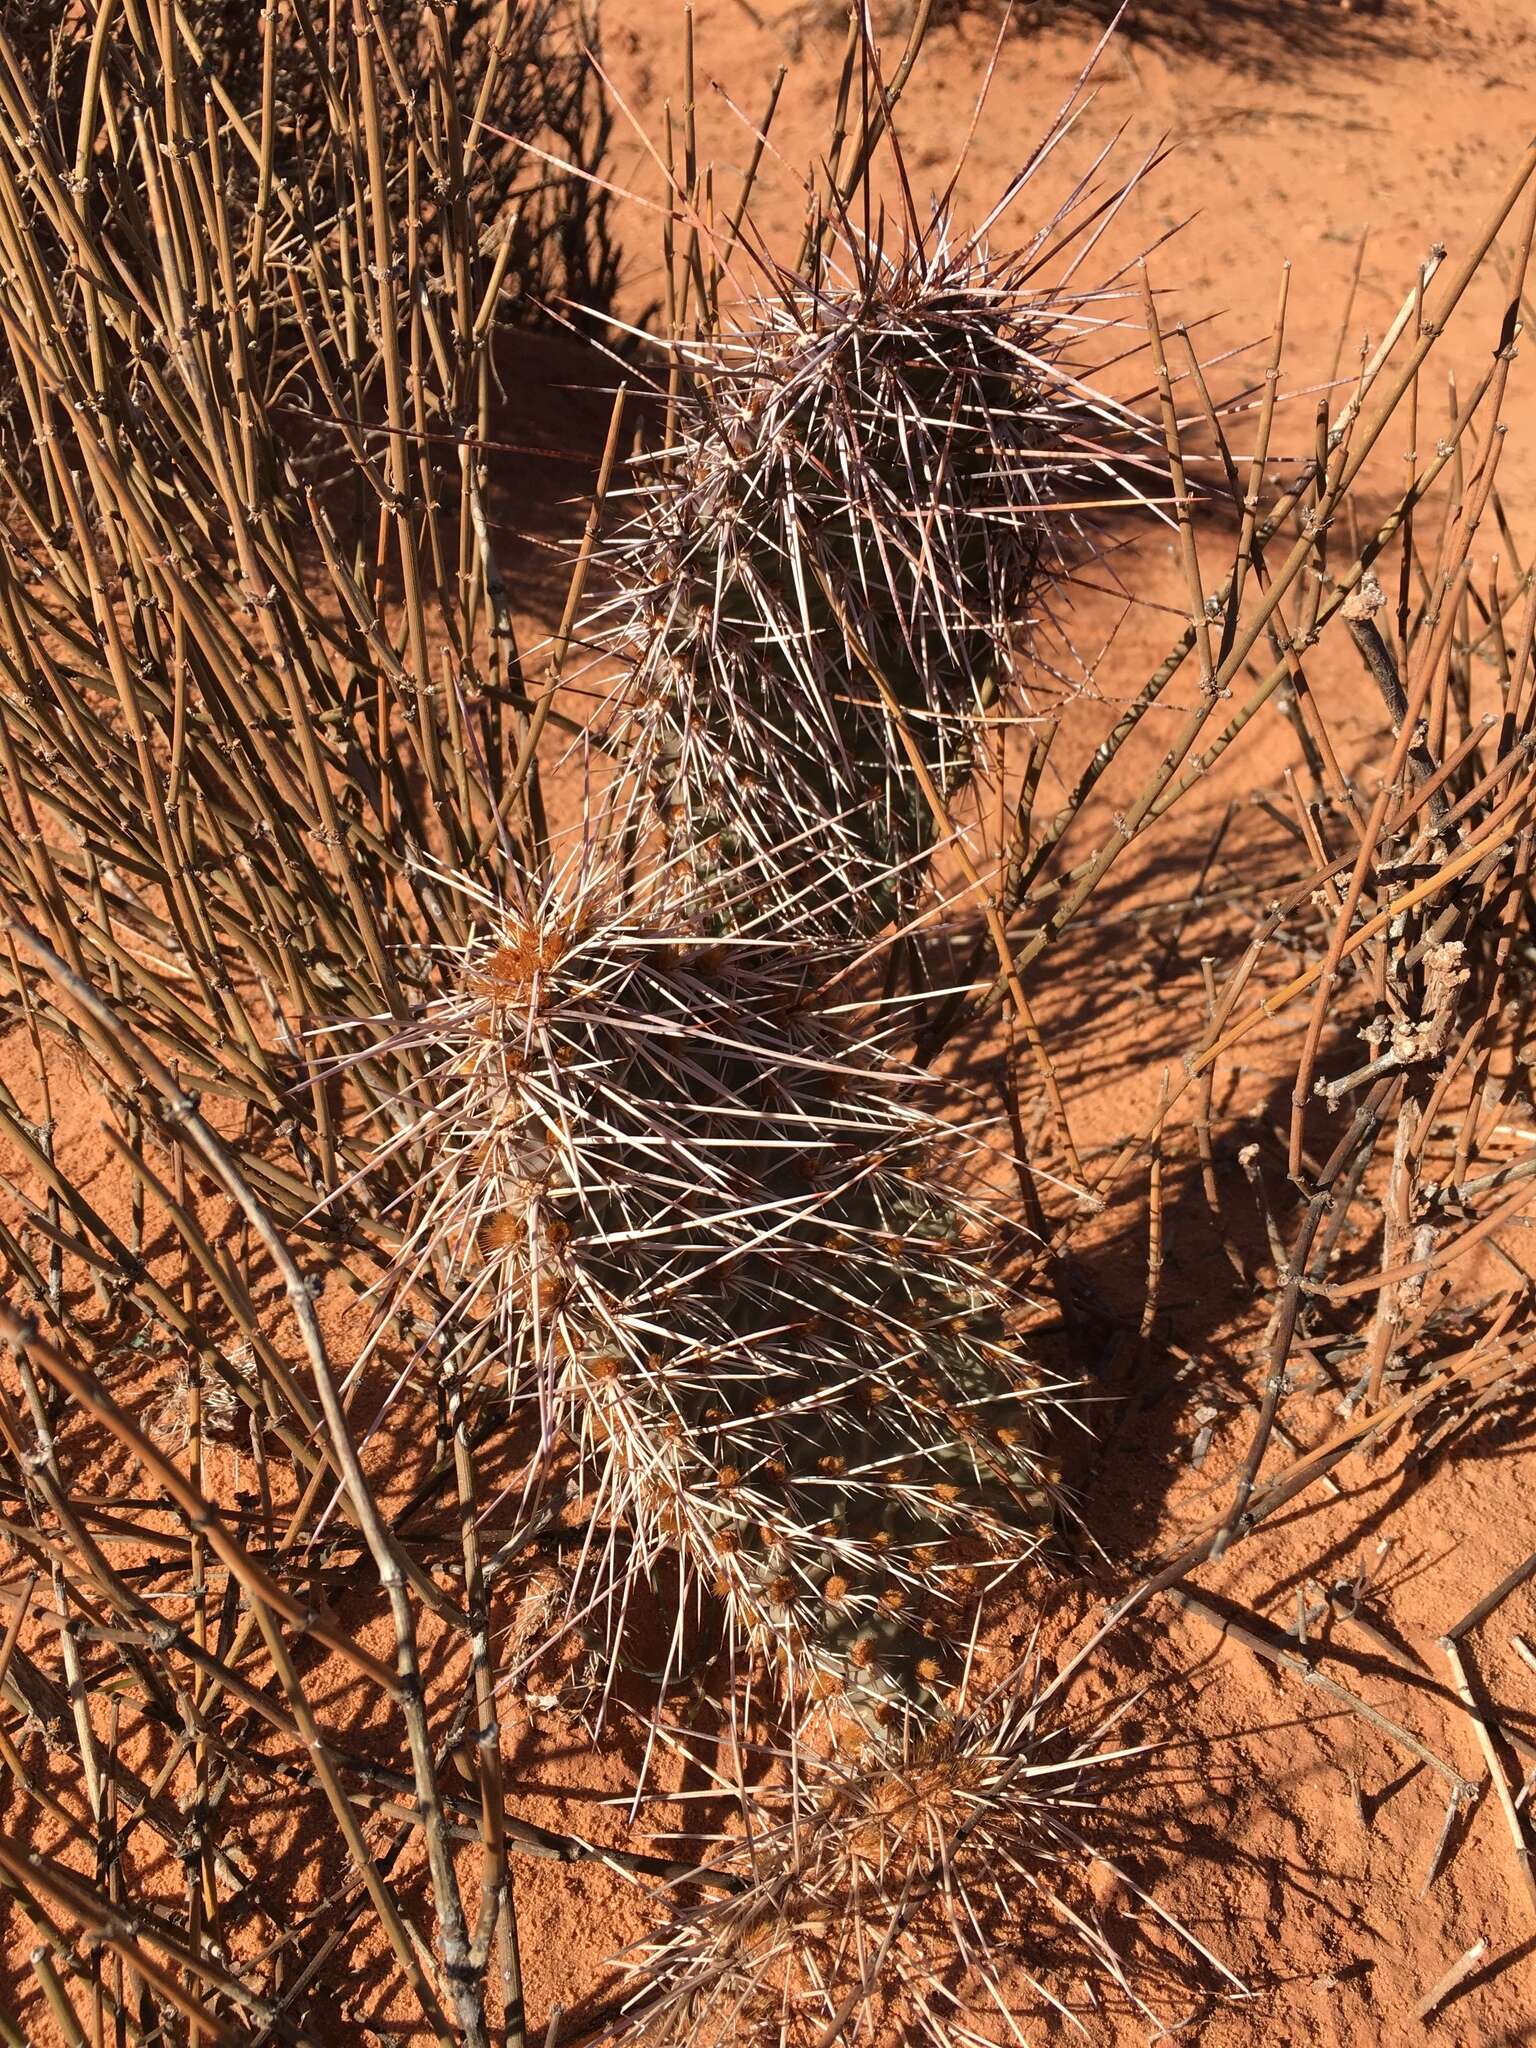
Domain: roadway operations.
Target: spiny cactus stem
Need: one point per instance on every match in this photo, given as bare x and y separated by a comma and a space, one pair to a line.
951, 836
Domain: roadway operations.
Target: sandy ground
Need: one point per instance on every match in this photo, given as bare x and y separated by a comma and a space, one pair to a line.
1349, 143
1295, 1839
1292, 1837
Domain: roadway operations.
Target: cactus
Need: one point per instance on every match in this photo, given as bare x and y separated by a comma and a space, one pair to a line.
820, 585
706, 1212
664, 1148
877, 1895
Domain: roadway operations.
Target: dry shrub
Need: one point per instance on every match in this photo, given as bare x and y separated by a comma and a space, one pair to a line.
459, 119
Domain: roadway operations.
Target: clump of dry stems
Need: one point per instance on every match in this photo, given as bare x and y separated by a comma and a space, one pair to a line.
456, 120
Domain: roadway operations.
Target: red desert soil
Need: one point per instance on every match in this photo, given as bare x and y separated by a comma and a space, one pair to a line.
1289, 1835
1299, 1844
